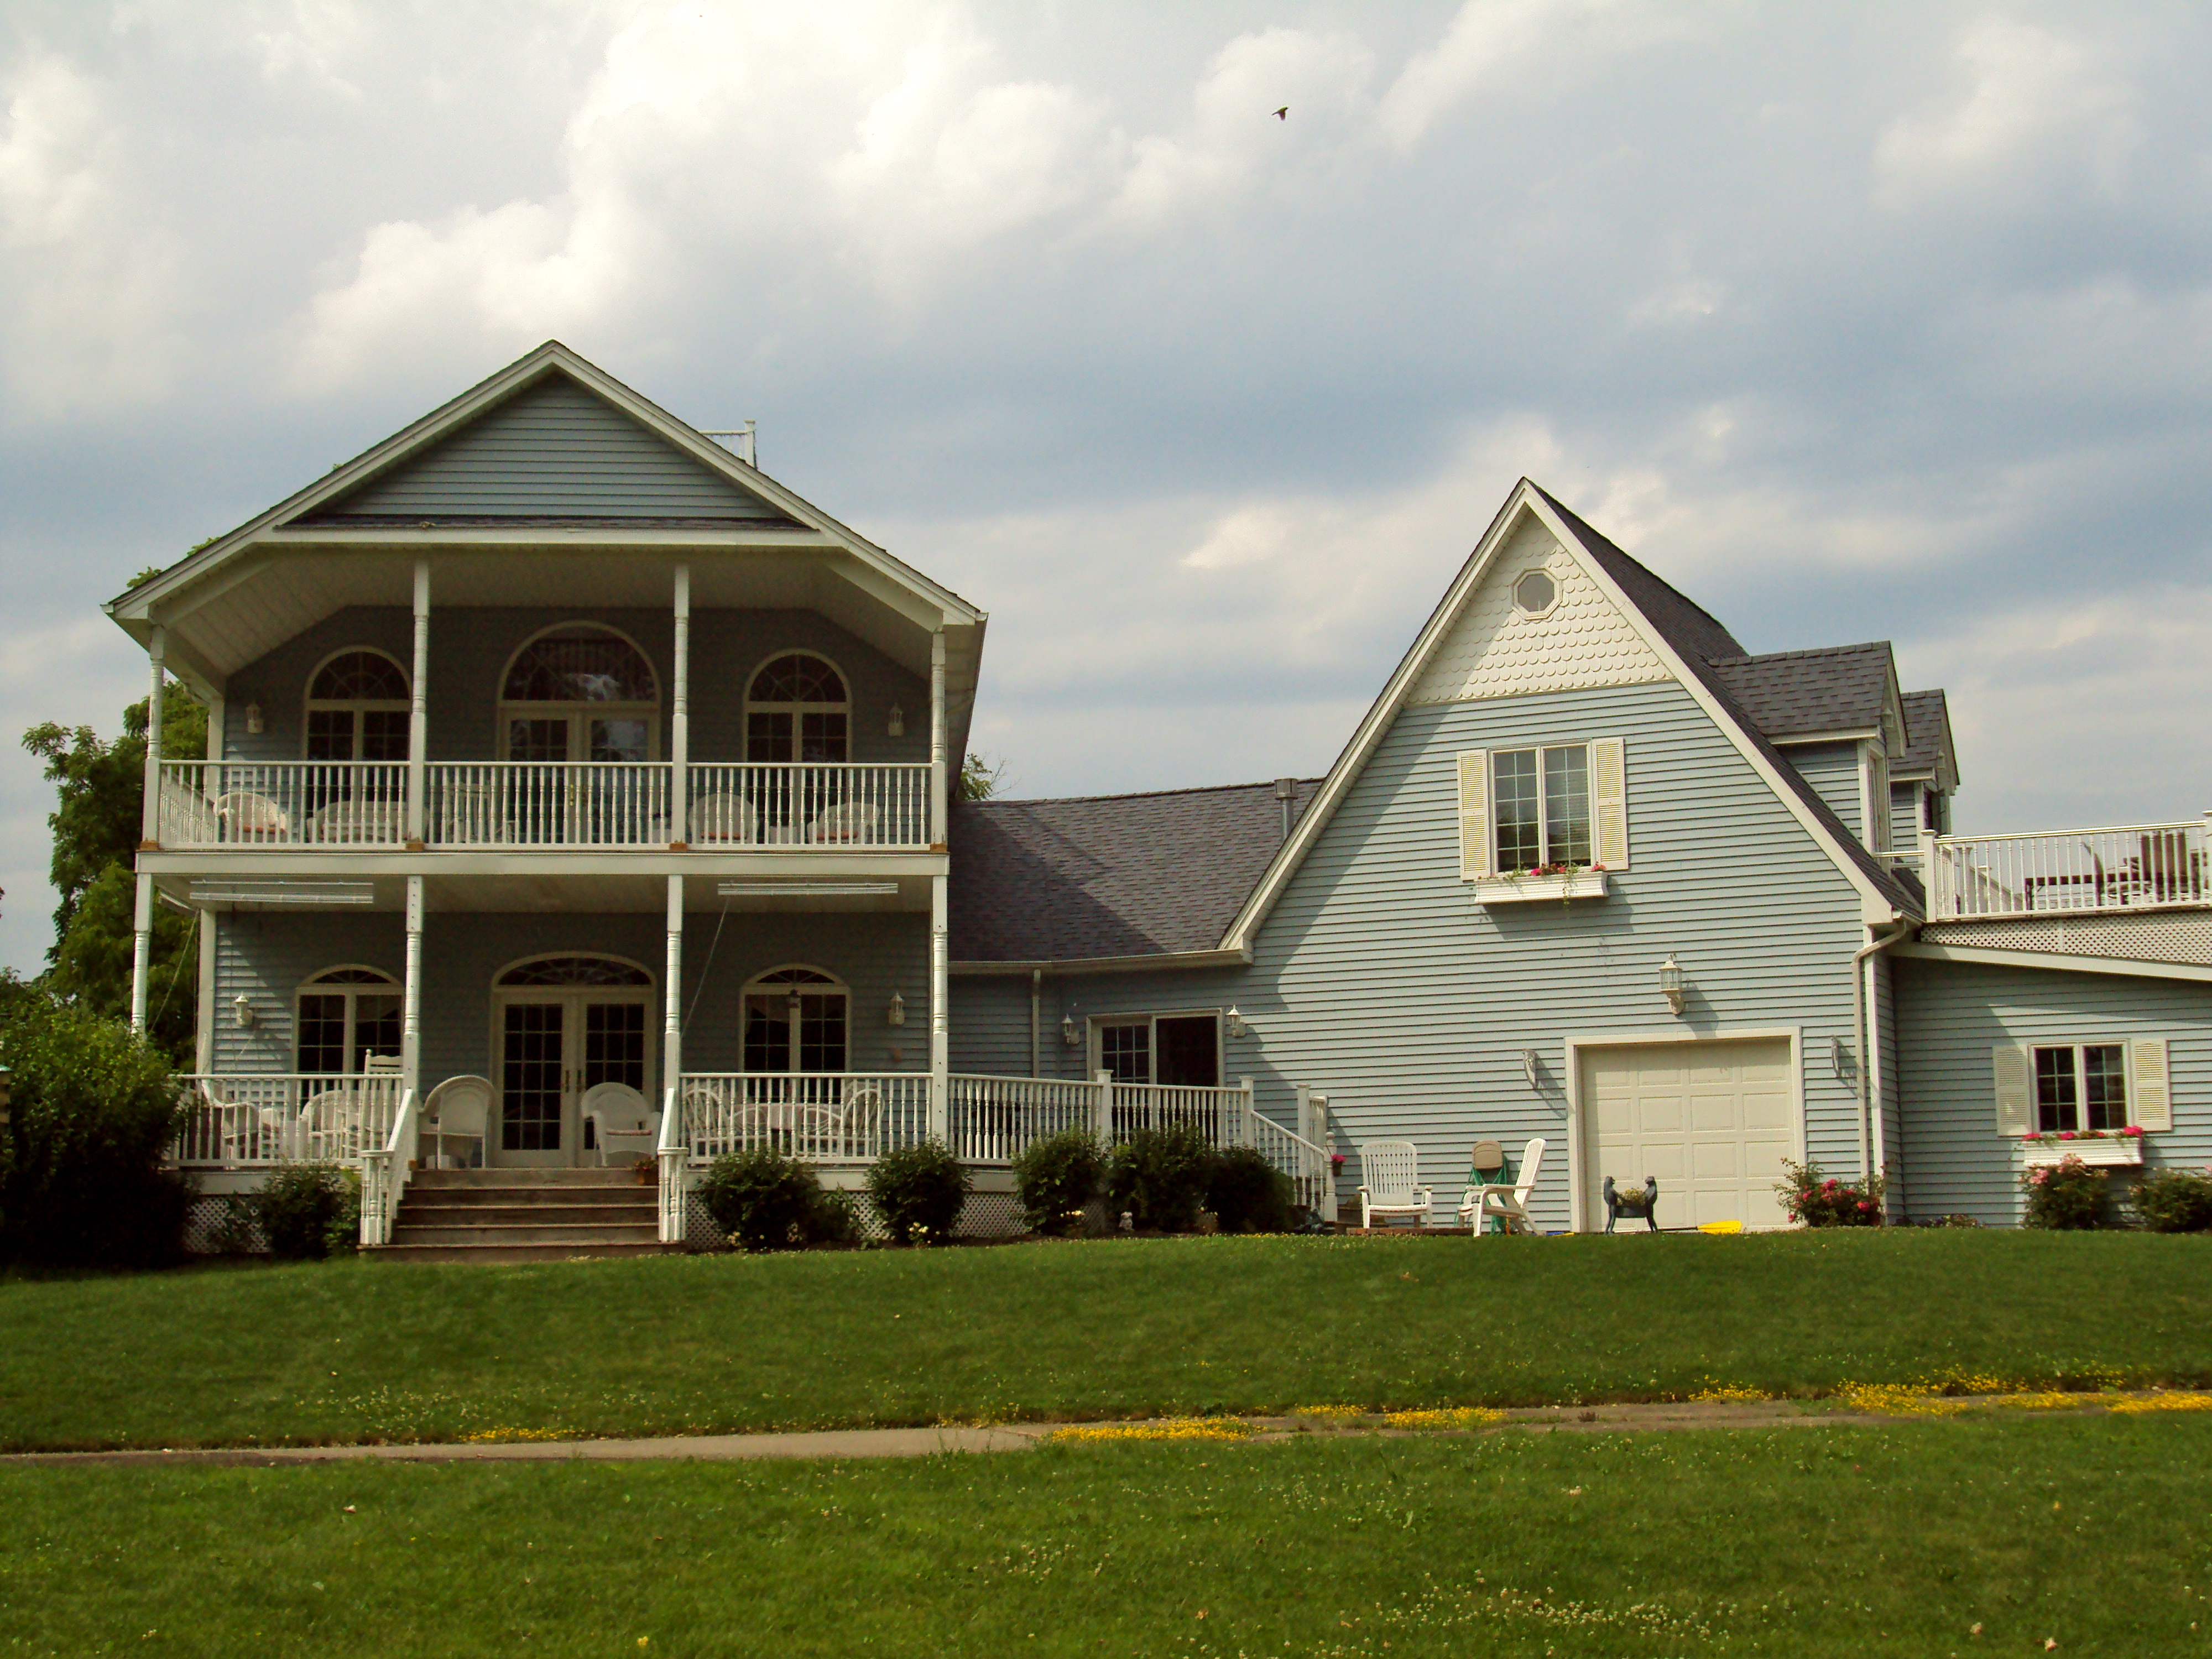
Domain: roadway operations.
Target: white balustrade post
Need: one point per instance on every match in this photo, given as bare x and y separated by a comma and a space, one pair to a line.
1248, 1132
672, 1037
418, 711
149, 821
940, 1022
410, 1015
142, 944
679, 719
1102, 1108
940, 782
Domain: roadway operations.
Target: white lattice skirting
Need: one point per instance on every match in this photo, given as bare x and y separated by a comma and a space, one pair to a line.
2172, 935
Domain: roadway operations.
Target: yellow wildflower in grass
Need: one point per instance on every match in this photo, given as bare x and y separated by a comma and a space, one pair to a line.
1954, 1395
487, 1437
1169, 1428
1330, 1413
1450, 1417
1714, 1392
2167, 1402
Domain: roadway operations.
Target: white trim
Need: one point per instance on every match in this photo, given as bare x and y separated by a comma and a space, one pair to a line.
1509, 890
2131, 967
1846, 734
1576, 1046
1169, 960
2101, 1151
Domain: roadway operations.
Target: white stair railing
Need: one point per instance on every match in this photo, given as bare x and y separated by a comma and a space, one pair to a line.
384, 1173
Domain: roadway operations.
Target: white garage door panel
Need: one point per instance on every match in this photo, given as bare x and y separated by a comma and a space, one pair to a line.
1713, 1122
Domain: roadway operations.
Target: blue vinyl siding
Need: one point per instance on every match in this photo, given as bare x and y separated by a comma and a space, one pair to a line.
1833, 769
555, 450
1951, 1015
1905, 815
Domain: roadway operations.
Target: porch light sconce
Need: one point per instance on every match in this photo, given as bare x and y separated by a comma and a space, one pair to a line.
1068, 1034
253, 722
896, 726
1836, 1060
1529, 1070
241, 1012
1670, 982
896, 1013
1234, 1022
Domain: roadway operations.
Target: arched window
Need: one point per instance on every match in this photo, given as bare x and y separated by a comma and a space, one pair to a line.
795, 1020
347, 1014
797, 709
579, 692
575, 971
357, 708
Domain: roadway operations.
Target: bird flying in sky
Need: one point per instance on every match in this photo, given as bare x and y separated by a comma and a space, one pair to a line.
1284, 113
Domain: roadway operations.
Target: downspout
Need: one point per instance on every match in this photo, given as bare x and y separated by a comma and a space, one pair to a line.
1861, 972
1036, 990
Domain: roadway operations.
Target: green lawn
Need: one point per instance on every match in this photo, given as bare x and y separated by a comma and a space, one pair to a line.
2089, 1532
378, 1349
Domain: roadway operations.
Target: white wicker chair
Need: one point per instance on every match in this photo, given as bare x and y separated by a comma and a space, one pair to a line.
459, 1109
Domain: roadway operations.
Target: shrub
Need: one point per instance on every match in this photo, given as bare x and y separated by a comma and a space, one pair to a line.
1821, 1200
1160, 1176
2175, 1200
1246, 1193
761, 1199
919, 1192
1056, 1177
835, 1219
94, 1109
2069, 1196
309, 1210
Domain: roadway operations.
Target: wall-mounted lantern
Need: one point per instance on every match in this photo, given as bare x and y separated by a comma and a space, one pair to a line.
1530, 1069
253, 722
241, 1012
1068, 1034
895, 725
895, 1014
1670, 982
1235, 1023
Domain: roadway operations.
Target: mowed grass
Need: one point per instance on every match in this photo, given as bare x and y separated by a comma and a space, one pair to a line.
381, 1351
2090, 1533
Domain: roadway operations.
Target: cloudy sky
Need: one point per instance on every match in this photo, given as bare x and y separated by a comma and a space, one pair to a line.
1854, 322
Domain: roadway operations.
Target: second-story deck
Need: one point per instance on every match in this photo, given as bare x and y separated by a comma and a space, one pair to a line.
2125, 868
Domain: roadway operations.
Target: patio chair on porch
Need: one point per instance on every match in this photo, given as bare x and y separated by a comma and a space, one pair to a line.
847, 821
1506, 1205
623, 1126
458, 1109
722, 817
247, 816
1390, 1183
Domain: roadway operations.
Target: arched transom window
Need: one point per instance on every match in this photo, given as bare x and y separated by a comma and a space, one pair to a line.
347, 1014
797, 709
357, 708
576, 970
795, 1021
579, 693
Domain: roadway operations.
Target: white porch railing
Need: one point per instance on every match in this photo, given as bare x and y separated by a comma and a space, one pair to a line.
991, 1119
547, 804
822, 1117
250, 1119
763, 805
385, 1171
282, 803
2080, 871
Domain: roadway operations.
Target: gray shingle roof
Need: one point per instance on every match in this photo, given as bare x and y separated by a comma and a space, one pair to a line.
1840, 688
1927, 737
1109, 875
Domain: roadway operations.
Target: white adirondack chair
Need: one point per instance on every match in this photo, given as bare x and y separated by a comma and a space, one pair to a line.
459, 1109
1391, 1183
1507, 1204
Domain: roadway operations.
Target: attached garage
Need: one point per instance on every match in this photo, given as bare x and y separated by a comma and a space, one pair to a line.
1712, 1121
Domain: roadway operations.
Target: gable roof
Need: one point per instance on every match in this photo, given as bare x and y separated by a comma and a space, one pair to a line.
1042, 882
1795, 694
1928, 751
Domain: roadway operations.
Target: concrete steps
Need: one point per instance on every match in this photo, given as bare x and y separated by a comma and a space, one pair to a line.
525, 1215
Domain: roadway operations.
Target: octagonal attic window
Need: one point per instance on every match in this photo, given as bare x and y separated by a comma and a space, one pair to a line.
1535, 593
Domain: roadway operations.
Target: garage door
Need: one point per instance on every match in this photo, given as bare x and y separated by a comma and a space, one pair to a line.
1712, 1121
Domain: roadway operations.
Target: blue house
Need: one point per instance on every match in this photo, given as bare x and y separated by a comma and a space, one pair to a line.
576, 793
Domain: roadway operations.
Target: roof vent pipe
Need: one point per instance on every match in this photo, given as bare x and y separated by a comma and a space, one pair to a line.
1286, 790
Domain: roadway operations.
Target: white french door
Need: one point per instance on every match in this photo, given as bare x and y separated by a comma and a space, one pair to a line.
553, 1047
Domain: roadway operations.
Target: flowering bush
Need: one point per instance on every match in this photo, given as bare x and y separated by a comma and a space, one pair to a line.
2175, 1200
1820, 1200
2131, 1132
2068, 1195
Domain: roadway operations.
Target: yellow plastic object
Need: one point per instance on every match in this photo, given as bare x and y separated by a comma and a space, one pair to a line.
1718, 1227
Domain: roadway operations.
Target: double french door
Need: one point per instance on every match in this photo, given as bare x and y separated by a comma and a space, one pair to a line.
553, 1049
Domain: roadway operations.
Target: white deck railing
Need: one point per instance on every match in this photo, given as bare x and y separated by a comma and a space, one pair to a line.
250, 1119
282, 803
547, 804
991, 1119
2081, 871
761, 805
822, 1117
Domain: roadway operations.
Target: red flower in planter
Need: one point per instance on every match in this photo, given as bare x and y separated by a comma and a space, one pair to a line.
2066, 1134
2133, 1130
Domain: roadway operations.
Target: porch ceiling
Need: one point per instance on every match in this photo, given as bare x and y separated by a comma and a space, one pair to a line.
601, 895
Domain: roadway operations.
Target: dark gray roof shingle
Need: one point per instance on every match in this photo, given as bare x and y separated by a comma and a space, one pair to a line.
1109, 875
1838, 688
1927, 737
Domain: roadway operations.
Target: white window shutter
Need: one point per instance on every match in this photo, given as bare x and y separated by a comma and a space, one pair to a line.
2150, 1097
1474, 848
2015, 1089
1609, 773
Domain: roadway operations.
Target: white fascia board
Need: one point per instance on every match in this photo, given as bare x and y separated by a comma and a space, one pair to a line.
271, 864
605, 534
1875, 906
2055, 960
1372, 726
1853, 734
1167, 960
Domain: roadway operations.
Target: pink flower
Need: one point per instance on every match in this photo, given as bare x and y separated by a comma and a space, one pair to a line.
2066, 1134
2134, 1129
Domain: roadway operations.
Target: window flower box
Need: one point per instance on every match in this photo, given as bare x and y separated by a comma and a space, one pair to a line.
2107, 1147
1560, 885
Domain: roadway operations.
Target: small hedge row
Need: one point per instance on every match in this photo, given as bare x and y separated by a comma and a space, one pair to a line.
764, 1199
1162, 1179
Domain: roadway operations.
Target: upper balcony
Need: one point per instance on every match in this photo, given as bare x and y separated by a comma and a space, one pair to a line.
2130, 868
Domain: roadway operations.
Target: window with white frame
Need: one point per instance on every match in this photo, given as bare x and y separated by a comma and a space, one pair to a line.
345, 1015
1179, 1051
358, 708
1543, 807
2083, 1088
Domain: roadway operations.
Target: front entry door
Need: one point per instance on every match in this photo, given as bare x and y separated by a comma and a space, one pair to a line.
553, 1050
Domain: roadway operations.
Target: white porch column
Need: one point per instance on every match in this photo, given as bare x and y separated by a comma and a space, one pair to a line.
418, 710
203, 1026
941, 1027
142, 939
149, 821
672, 1038
679, 723
410, 1013
939, 779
